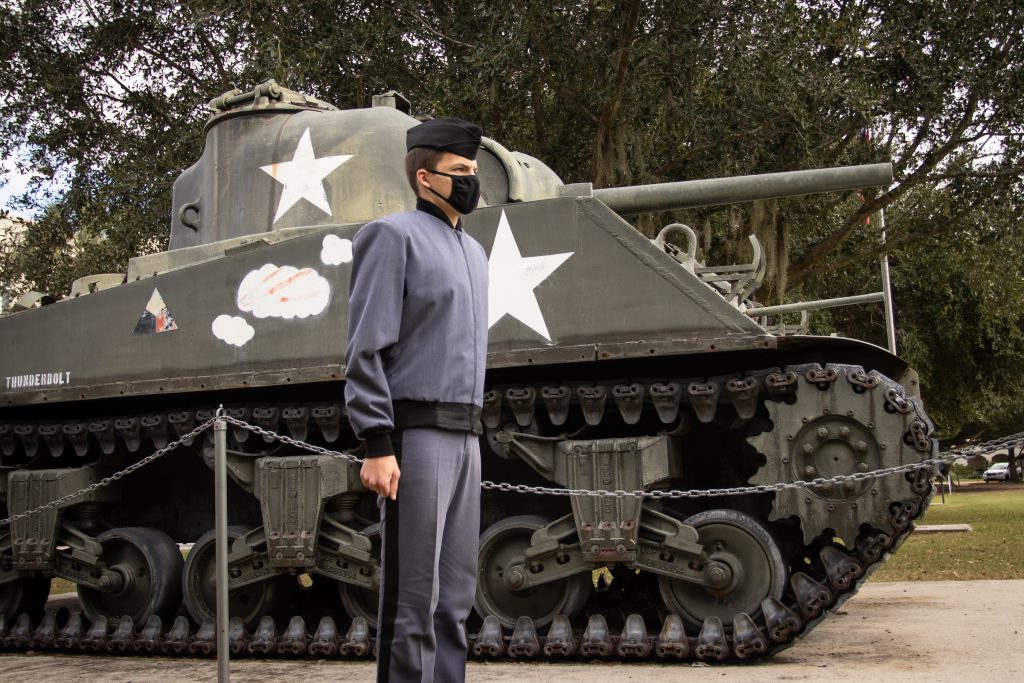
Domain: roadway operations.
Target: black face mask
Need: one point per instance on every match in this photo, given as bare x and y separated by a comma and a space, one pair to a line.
465, 192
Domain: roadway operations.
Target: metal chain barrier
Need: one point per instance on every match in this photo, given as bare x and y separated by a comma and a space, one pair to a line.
1012, 440
819, 482
290, 441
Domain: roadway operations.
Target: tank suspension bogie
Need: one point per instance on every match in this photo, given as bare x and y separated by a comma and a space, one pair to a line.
501, 596
359, 599
743, 567
248, 603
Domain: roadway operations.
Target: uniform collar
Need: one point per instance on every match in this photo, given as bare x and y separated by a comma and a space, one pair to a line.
435, 211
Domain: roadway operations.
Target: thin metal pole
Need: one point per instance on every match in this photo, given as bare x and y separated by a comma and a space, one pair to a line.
220, 476
890, 324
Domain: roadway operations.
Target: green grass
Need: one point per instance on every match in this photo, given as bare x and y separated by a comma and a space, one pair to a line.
993, 550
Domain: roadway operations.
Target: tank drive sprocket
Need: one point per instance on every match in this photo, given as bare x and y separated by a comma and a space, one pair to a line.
847, 422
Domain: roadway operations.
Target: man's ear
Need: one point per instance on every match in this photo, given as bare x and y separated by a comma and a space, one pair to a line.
421, 176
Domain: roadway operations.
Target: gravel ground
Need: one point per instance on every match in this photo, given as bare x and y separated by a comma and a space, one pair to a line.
927, 631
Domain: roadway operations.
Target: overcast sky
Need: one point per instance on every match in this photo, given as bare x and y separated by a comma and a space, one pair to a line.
14, 184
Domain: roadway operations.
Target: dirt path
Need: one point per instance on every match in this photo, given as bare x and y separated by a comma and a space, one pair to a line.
928, 631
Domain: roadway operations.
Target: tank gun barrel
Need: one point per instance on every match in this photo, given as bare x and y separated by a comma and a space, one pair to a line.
691, 194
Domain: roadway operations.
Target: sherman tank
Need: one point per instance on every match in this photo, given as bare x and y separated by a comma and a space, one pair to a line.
666, 476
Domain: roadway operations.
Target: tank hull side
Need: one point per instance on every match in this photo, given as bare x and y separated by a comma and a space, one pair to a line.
276, 314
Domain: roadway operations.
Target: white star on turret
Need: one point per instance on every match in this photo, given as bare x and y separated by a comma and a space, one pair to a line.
513, 279
303, 177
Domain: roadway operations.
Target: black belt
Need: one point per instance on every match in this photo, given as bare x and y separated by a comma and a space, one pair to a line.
458, 417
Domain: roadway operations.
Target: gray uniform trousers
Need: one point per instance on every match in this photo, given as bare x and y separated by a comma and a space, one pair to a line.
430, 536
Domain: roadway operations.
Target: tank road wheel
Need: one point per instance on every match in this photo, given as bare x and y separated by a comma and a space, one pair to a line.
26, 594
755, 566
363, 602
502, 543
360, 602
149, 563
250, 603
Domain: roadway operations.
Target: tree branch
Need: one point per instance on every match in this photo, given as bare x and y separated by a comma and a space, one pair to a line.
1010, 172
800, 269
225, 79
904, 240
167, 62
431, 29
568, 95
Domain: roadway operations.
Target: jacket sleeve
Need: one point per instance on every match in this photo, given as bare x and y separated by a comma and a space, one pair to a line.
376, 294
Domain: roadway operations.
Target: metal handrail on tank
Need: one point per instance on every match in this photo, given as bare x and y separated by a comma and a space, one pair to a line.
735, 282
712, 192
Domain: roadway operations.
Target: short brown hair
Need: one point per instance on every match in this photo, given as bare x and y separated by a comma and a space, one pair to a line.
417, 158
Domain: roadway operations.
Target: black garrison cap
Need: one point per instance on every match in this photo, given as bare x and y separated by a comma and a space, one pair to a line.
447, 134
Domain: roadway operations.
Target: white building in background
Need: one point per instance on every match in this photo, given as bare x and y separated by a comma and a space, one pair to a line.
11, 230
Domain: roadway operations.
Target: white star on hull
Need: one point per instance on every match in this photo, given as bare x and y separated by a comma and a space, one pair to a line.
303, 177
513, 278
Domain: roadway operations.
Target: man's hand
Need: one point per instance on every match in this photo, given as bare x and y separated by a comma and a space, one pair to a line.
380, 475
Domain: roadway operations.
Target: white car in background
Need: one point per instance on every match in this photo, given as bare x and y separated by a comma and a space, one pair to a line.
1000, 471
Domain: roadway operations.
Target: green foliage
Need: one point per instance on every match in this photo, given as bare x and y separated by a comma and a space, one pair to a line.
963, 472
107, 97
993, 550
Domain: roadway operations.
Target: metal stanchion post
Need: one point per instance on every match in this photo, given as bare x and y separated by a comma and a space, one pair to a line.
220, 476
890, 324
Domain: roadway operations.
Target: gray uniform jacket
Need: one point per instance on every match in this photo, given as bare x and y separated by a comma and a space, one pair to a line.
417, 329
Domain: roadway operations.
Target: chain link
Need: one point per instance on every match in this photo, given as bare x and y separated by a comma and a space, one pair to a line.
486, 485
820, 482
266, 433
988, 446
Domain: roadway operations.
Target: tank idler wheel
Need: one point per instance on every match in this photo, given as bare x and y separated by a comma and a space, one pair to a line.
359, 601
249, 603
504, 542
27, 594
149, 563
748, 562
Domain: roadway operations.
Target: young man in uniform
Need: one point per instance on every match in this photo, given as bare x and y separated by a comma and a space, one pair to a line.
417, 345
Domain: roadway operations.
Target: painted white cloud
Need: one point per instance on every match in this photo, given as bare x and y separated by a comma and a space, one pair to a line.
283, 292
233, 329
336, 250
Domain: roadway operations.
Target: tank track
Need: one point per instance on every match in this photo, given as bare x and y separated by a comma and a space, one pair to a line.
823, 573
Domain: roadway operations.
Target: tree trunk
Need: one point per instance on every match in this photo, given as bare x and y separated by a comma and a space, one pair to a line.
607, 135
